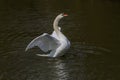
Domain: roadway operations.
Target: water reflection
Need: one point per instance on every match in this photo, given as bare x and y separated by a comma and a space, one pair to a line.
61, 71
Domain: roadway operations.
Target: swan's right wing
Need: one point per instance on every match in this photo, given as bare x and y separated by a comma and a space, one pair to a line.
45, 42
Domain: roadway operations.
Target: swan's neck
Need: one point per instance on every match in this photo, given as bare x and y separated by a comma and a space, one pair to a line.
55, 25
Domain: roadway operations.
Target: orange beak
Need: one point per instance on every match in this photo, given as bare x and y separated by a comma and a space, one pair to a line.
65, 14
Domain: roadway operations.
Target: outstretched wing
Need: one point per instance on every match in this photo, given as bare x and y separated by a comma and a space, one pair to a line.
45, 42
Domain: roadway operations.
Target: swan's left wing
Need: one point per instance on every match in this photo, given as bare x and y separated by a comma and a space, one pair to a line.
45, 42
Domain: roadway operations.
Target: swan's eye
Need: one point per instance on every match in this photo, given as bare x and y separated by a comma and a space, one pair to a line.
62, 14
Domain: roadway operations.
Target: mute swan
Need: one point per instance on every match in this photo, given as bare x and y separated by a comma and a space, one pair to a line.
56, 43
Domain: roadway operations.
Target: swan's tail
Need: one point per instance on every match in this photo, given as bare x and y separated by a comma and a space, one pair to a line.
45, 55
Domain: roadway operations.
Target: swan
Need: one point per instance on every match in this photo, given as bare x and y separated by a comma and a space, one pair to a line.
57, 43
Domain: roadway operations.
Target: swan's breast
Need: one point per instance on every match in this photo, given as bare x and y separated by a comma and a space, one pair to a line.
65, 45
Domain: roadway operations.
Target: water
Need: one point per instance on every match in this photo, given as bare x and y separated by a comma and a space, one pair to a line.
92, 27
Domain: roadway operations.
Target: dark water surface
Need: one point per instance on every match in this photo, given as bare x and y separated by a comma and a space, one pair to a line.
92, 27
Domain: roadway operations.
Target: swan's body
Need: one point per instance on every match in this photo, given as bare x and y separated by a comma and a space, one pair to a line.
56, 42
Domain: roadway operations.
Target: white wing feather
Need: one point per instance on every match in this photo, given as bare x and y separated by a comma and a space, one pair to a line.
45, 42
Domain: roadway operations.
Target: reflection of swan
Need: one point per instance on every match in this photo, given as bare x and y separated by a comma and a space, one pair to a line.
61, 70
57, 43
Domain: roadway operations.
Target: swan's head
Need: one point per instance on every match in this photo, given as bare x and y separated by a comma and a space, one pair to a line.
61, 15
58, 18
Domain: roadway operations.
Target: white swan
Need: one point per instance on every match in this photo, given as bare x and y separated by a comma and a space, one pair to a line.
57, 43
